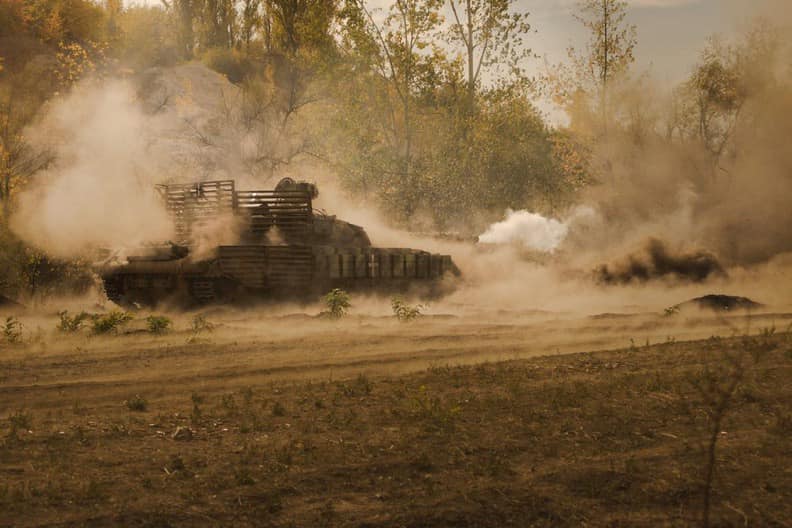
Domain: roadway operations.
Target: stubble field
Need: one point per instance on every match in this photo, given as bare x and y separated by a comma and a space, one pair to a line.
521, 419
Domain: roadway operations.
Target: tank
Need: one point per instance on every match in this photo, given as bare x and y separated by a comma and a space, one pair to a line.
281, 249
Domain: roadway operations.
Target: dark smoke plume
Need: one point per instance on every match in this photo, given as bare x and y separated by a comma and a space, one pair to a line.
656, 261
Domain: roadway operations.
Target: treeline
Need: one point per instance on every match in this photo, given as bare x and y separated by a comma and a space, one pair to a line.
426, 116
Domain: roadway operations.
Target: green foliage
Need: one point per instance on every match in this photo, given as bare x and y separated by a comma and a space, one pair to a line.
405, 312
158, 324
337, 303
12, 330
109, 322
609, 52
490, 35
503, 151
71, 324
588, 87
29, 274
149, 37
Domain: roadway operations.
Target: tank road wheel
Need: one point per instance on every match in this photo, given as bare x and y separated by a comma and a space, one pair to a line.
113, 287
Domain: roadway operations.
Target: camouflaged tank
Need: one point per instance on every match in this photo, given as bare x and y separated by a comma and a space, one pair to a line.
283, 249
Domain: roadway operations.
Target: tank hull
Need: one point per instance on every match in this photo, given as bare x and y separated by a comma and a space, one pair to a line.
261, 273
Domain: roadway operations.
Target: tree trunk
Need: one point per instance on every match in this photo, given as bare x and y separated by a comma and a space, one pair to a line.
470, 56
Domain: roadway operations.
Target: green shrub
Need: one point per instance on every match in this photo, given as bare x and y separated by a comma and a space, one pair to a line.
12, 330
109, 322
278, 409
71, 324
136, 403
20, 420
158, 324
403, 311
337, 303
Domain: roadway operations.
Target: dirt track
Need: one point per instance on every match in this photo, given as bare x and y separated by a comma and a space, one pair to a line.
251, 349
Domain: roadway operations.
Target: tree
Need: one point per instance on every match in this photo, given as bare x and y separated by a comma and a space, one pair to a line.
251, 21
491, 35
150, 37
727, 78
300, 25
218, 24
607, 56
185, 11
399, 50
113, 10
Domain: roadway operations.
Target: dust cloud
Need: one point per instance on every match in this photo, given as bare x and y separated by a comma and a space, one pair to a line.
221, 230
99, 190
657, 261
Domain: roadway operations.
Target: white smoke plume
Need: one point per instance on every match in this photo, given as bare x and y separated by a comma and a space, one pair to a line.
532, 230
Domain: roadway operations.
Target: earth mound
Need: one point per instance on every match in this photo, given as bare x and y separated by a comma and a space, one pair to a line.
723, 303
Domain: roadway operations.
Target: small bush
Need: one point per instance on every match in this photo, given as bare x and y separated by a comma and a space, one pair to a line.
20, 420
337, 303
362, 386
235, 65
278, 409
12, 330
71, 324
200, 324
104, 324
403, 311
176, 464
158, 324
137, 404
243, 477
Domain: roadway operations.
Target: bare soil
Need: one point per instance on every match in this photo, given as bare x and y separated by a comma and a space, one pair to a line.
445, 421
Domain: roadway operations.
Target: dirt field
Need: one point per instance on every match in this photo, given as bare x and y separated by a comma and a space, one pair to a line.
287, 420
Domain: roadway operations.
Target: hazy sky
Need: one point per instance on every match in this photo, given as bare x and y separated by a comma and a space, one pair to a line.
671, 33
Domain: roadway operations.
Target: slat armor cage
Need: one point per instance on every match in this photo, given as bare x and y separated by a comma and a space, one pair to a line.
193, 205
